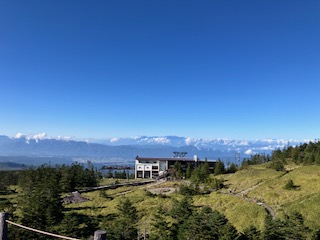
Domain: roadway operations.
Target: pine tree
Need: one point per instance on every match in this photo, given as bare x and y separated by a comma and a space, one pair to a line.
207, 224
180, 212
219, 168
188, 172
39, 202
177, 170
250, 233
292, 227
204, 170
232, 168
127, 210
124, 226
160, 226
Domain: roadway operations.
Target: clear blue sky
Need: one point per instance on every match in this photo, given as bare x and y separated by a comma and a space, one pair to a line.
234, 69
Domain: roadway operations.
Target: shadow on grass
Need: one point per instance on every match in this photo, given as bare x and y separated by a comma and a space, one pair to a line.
81, 208
7, 192
291, 186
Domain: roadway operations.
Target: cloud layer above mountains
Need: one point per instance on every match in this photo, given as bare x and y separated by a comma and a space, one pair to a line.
40, 136
246, 147
126, 149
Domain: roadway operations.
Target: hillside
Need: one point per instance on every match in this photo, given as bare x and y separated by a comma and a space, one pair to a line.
247, 198
257, 182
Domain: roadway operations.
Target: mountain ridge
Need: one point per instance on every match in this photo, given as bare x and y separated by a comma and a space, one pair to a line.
126, 149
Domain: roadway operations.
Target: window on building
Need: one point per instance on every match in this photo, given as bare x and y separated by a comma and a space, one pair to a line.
147, 174
139, 174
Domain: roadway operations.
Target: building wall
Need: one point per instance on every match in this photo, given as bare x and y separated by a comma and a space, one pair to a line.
147, 169
163, 166
152, 168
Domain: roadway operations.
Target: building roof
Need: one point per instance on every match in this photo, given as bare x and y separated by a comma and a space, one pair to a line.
179, 159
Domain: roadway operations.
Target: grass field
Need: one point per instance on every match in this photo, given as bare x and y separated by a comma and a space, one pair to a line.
99, 205
240, 213
304, 198
250, 177
265, 184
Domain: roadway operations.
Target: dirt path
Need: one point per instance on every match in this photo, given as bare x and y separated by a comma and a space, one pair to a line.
114, 186
250, 188
147, 186
243, 195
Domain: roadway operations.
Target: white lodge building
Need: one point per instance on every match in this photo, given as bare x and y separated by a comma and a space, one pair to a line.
151, 167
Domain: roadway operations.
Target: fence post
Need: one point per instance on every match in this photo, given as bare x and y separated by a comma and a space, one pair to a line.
100, 235
3, 226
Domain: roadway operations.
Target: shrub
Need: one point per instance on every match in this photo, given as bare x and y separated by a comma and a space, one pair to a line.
216, 183
188, 190
103, 194
276, 165
150, 194
289, 185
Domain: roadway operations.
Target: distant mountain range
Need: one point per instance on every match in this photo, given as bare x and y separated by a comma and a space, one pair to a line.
124, 150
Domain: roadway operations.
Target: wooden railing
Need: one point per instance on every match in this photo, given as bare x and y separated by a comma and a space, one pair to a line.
98, 235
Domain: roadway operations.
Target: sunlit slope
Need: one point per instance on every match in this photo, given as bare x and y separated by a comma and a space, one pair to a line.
304, 198
256, 182
240, 213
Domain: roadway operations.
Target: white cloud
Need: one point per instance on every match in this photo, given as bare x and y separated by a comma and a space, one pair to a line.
243, 143
19, 135
189, 140
64, 138
160, 140
114, 139
267, 148
40, 136
249, 152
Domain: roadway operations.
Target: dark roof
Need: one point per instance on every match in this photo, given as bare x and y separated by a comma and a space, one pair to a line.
165, 159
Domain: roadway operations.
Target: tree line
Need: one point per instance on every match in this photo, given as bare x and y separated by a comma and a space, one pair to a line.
202, 171
306, 153
39, 204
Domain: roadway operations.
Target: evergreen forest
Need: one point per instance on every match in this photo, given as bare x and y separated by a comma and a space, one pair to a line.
267, 197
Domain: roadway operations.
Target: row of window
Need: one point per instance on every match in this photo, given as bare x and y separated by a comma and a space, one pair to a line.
147, 162
146, 174
148, 167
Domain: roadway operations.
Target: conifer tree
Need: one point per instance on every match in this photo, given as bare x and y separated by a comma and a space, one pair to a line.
39, 202
124, 226
250, 233
219, 168
207, 224
188, 172
160, 226
232, 168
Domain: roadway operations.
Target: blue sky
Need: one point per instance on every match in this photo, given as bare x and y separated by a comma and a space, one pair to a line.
212, 69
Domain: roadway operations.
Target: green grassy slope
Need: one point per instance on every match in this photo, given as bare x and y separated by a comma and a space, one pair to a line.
261, 183
304, 199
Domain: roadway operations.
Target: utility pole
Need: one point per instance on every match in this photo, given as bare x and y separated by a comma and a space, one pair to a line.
237, 158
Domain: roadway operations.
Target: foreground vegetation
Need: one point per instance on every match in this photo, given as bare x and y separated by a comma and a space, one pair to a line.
222, 205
